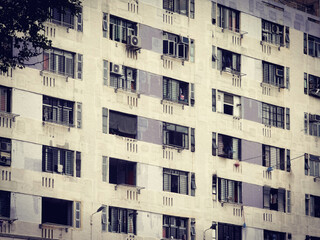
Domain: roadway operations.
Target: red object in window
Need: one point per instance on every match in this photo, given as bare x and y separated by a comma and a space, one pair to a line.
181, 97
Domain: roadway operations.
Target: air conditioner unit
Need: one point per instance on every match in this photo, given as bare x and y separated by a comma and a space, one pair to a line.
5, 146
279, 72
116, 69
59, 168
5, 159
134, 42
184, 40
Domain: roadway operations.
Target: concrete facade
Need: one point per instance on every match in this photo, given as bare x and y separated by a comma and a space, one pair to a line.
37, 188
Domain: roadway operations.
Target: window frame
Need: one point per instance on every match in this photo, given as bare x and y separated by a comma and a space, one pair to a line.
180, 94
273, 115
127, 215
170, 133
221, 16
172, 227
120, 29
5, 99
5, 151
272, 33
225, 139
176, 46
126, 81
229, 191
273, 74
229, 61
170, 175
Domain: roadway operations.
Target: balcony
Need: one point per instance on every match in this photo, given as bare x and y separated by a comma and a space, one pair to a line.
7, 120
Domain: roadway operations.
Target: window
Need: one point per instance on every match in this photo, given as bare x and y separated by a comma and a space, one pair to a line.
58, 160
229, 191
57, 211
312, 122
273, 74
175, 46
175, 227
122, 220
5, 151
272, 115
175, 181
312, 85
5, 200
58, 111
228, 61
225, 17
312, 163
5, 99
229, 147
272, 33
105, 72
175, 91
179, 6
311, 45
271, 235
229, 231
125, 78
273, 157
312, 238
64, 17
122, 172
274, 199
122, 124
61, 62
120, 29
226, 103
175, 135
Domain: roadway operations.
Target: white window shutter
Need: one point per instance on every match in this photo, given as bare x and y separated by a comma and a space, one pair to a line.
219, 102
237, 106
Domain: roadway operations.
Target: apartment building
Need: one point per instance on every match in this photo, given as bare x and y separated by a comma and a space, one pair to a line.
166, 119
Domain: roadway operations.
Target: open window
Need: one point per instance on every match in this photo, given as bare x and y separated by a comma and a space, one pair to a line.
273, 74
176, 46
62, 161
175, 135
121, 29
314, 86
272, 33
122, 220
122, 124
5, 152
58, 111
5, 99
312, 123
273, 157
227, 103
229, 147
229, 191
5, 199
122, 172
175, 181
312, 165
178, 6
225, 17
175, 228
228, 61
229, 231
274, 199
57, 211
175, 91
123, 77
62, 16
312, 205
311, 45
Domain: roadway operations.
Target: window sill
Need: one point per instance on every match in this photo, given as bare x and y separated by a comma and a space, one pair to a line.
9, 220
54, 226
60, 24
178, 148
180, 104
232, 72
175, 58
127, 91
54, 74
273, 45
264, 84
129, 186
231, 204
9, 115
237, 32
44, 122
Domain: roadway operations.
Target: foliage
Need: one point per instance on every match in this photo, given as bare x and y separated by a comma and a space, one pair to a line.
22, 29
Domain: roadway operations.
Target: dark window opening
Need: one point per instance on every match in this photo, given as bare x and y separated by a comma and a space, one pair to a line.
59, 61
122, 220
175, 46
175, 181
5, 99
176, 91
227, 18
5, 151
271, 235
122, 172
312, 121
120, 29
272, 33
229, 231
62, 16
229, 147
314, 86
57, 211
312, 238
175, 228
229, 191
272, 115
126, 79
59, 160
228, 109
5, 200
178, 6
313, 165
311, 45
274, 199
273, 74
175, 135
228, 61
122, 124
58, 111
273, 157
